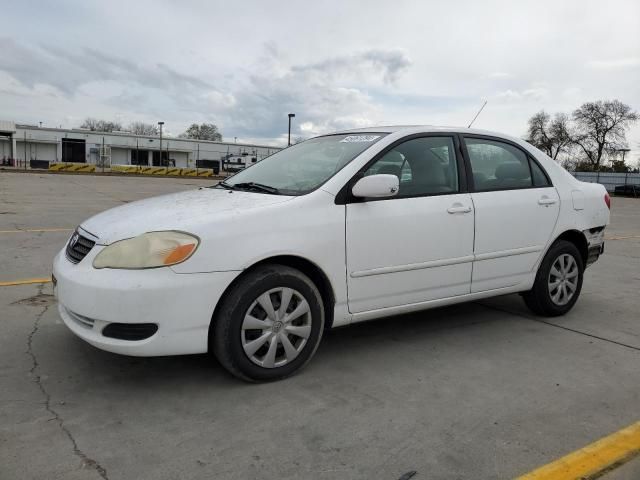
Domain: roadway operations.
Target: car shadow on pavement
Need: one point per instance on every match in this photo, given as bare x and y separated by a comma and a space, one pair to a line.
339, 347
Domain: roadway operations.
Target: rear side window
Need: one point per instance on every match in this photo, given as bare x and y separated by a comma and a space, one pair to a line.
497, 165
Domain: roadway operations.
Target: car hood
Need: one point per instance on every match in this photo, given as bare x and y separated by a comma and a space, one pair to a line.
178, 211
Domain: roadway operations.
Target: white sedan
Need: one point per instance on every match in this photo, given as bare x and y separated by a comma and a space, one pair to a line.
338, 229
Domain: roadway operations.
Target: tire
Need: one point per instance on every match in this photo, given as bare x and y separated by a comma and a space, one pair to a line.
561, 268
244, 332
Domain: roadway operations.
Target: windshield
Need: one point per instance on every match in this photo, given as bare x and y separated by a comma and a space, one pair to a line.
303, 167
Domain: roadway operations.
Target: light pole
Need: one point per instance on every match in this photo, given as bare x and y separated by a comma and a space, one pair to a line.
623, 150
291, 115
160, 124
626, 170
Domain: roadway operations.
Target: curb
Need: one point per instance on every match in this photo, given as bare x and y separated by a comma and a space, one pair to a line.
108, 174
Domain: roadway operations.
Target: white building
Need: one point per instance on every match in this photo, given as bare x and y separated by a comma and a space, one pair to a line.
41, 145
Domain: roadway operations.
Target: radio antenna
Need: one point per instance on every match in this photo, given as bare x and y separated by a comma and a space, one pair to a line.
479, 111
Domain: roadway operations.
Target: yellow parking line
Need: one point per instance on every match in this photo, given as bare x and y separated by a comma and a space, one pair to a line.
625, 237
28, 281
36, 230
593, 460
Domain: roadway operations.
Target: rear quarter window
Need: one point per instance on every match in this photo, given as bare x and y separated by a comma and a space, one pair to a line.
539, 178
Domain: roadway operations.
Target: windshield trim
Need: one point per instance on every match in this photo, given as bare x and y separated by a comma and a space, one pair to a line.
286, 192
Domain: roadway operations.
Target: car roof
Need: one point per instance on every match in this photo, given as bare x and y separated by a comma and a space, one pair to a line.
409, 129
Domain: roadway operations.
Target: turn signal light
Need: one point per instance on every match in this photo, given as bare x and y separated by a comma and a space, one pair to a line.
179, 254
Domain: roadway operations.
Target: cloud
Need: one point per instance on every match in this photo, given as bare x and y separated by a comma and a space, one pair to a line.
615, 63
387, 64
499, 75
352, 65
323, 93
141, 90
261, 109
68, 69
533, 93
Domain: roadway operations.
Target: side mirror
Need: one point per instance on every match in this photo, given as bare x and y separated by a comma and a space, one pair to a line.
376, 186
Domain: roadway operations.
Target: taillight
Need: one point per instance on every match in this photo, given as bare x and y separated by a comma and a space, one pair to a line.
607, 200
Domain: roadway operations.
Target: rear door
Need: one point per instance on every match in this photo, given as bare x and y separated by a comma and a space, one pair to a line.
516, 211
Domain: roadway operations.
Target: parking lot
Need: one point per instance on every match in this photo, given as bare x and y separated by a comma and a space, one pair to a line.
483, 390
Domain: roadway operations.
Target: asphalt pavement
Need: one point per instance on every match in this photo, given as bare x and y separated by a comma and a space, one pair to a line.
484, 390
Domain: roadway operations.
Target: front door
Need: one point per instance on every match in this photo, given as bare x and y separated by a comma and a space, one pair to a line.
418, 245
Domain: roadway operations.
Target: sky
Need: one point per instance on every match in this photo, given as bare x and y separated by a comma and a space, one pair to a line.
245, 65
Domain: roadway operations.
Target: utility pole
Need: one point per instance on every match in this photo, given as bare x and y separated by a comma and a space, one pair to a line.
160, 149
102, 157
291, 115
25, 150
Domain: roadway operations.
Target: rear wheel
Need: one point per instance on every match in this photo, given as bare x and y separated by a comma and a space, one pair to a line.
269, 325
558, 281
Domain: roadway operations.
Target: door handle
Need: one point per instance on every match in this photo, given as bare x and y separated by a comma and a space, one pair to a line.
546, 201
458, 208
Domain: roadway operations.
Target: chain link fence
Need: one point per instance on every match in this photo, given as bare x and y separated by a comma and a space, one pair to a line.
620, 183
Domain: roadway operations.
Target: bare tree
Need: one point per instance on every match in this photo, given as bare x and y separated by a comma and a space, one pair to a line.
96, 125
204, 131
601, 128
142, 128
552, 136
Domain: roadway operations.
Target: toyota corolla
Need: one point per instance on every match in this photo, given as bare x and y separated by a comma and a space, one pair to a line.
338, 229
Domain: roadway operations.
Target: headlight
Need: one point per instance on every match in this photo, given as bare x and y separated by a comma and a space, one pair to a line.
149, 250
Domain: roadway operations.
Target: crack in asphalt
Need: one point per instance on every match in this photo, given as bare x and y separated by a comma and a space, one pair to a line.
551, 324
87, 461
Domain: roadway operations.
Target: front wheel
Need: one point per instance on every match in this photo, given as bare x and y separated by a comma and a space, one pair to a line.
558, 281
269, 325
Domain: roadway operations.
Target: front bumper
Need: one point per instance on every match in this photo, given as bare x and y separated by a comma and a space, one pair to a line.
180, 304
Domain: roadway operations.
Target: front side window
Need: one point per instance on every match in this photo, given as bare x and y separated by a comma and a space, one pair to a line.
497, 166
303, 167
424, 166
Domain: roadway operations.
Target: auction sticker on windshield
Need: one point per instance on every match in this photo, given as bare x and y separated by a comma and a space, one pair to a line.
359, 138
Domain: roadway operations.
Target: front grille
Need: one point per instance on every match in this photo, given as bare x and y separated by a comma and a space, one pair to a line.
78, 247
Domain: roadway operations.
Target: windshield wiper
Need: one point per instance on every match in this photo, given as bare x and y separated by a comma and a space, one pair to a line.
224, 184
255, 186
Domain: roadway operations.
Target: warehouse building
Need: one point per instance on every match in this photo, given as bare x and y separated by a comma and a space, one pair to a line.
30, 146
